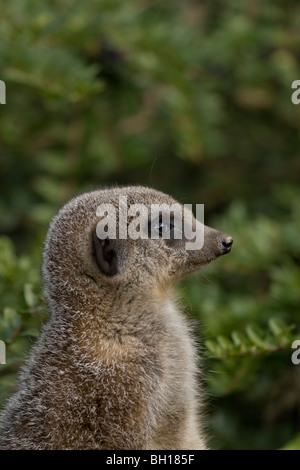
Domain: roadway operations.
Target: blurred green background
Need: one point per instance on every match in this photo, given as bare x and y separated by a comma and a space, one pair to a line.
192, 98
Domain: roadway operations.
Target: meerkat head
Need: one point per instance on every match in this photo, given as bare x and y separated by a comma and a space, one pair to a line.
128, 236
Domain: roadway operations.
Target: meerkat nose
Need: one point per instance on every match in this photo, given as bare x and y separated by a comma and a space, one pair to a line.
226, 243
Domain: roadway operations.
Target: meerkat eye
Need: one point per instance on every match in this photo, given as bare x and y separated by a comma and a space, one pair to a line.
161, 226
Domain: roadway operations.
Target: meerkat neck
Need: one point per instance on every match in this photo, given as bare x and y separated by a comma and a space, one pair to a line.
113, 304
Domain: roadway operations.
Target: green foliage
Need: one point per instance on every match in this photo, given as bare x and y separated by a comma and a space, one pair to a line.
193, 98
292, 445
21, 310
253, 341
249, 310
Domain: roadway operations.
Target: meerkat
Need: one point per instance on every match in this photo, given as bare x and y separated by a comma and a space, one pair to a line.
115, 367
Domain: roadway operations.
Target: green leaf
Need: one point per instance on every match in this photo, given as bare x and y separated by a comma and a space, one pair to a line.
255, 335
9, 324
30, 297
294, 444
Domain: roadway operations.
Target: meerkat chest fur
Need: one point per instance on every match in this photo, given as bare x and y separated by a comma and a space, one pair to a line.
151, 340
148, 353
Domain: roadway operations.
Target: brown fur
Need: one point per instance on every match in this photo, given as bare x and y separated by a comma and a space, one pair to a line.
115, 366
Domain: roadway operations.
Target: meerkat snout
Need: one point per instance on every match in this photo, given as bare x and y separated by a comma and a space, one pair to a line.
115, 367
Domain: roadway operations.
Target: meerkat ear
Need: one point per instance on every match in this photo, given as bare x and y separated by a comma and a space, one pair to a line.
106, 255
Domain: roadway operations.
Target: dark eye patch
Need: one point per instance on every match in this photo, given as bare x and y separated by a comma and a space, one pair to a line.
162, 226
